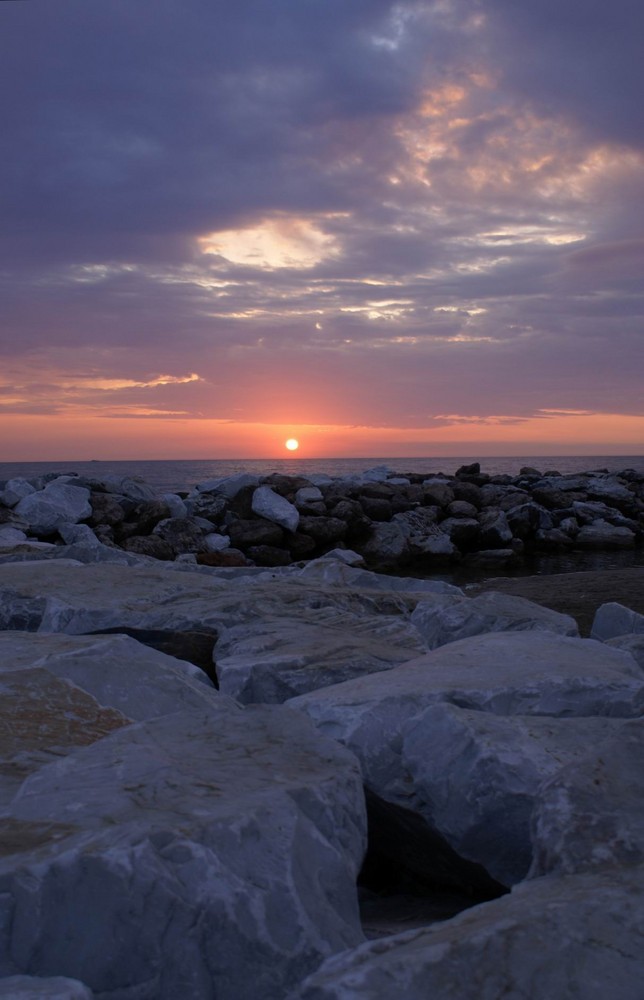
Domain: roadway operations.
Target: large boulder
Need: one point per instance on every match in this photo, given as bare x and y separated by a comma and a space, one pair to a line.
15, 490
57, 504
569, 937
602, 535
132, 862
40, 988
506, 673
266, 503
474, 777
613, 619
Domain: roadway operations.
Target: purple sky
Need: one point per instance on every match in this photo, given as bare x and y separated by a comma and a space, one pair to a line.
407, 216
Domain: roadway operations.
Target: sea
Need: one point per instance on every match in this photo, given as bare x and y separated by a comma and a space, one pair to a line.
178, 475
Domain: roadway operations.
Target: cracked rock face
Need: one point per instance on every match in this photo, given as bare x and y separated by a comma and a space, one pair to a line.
206, 844
568, 937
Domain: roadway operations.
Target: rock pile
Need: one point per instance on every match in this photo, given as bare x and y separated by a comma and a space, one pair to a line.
394, 522
373, 739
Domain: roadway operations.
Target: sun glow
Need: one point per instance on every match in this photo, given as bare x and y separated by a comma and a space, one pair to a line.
292, 444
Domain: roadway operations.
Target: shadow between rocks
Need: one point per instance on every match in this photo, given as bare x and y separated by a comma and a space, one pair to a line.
411, 876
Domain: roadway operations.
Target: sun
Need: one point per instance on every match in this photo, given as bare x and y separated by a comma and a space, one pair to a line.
292, 444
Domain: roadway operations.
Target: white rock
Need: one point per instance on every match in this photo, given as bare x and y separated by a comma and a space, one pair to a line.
474, 777
347, 556
198, 854
175, 504
334, 570
266, 503
507, 673
453, 617
308, 494
569, 938
271, 661
37, 988
590, 815
613, 619
15, 490
79, 534
214, 542
48, 509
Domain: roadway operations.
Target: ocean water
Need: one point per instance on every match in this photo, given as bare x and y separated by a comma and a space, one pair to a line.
183, 474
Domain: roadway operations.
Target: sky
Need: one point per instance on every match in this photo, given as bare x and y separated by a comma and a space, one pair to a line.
383, 229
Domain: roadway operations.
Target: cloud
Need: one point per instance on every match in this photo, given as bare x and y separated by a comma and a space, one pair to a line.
340, 212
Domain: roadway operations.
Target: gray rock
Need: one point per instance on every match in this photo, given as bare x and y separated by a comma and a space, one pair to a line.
506, 673
132, 487
613, 619
324, 531
46, 510
15, 490
271, 661
37, 988
633, 644
79, 534
475, 777
463, 532
387, 546
445, 620
214, 542
496, 533
229, 486
231, 868
106, 509
590, 815
266, 503
602, 535
10, 537
574, 937
246, 532
175, 504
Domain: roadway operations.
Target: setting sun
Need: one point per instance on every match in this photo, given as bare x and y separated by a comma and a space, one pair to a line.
292, 444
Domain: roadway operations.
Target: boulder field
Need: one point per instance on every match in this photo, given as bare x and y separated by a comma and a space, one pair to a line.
213, 777
395, 522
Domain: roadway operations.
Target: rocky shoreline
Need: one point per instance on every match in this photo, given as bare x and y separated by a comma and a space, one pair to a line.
397, 523
222, 775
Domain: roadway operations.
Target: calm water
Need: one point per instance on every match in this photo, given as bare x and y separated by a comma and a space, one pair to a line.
168, 476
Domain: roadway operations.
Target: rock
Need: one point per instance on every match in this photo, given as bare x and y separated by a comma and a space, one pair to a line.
37, 988
614, 619
495, 531
590, 815
461, 508
214, 542
506, 673
225, 557
463, 532
437, 492
475, 776
569, 937
469, 470
136, 681
272, 506
633, 644
350, 511
57, 504
128, 486
144, 517
105, 510
15, 490
447, 619
79, 534
528, 518
9, 537
229, 486
324, 531
307, 495
387, 546
331, 570
493, 560
602, 535
232, 868
376, 508
149, 545
175, 504
244, 533
268, 555
206, 505
271, 661
182, 534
